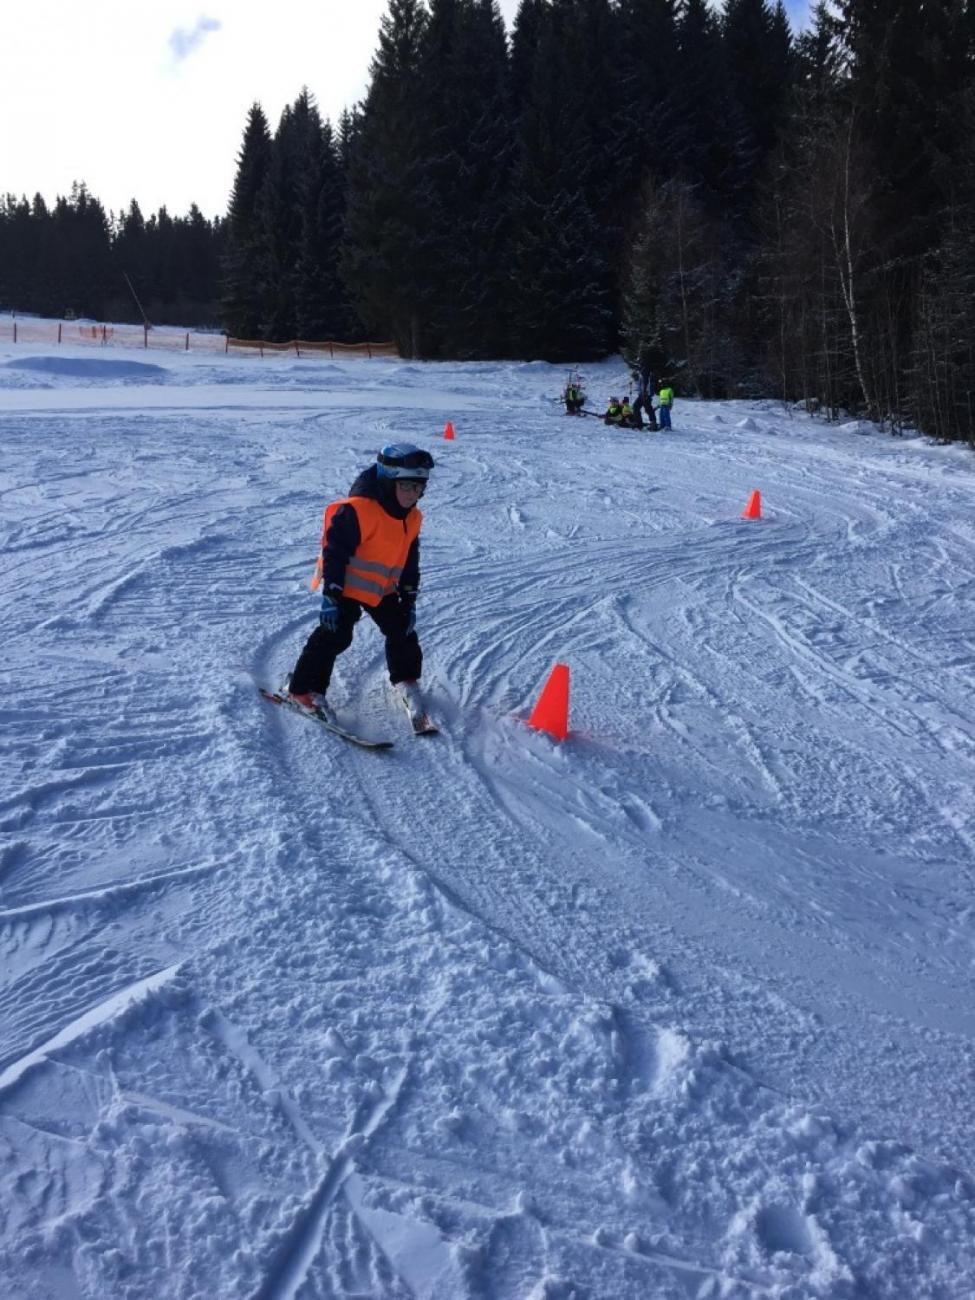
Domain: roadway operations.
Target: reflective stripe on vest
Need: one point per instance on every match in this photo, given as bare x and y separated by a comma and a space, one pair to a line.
376, 566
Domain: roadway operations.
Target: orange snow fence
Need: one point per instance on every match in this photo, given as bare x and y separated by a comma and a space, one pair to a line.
310, 348
15, 329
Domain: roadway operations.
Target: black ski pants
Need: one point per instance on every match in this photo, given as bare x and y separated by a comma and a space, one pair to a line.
404, 658
638, 405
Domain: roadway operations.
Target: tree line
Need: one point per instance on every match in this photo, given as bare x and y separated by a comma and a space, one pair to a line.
76, 259
755, 212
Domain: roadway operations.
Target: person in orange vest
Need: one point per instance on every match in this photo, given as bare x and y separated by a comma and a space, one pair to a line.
370, 561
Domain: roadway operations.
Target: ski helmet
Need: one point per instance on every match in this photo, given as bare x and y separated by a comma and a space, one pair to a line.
403, 460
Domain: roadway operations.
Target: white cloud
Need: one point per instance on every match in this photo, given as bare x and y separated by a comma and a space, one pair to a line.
183, 42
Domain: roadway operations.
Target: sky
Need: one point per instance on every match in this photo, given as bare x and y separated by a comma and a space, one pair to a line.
149, 100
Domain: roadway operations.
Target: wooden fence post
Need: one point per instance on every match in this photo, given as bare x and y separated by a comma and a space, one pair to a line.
59, 331
15, 331
187, 340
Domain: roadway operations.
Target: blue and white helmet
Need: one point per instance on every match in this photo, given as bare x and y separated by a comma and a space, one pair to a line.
403, 460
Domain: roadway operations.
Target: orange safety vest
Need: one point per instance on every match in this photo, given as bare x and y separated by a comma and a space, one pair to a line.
376, 566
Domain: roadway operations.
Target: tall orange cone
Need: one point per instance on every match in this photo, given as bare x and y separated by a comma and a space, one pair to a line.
754, 508
448, 432
551, 713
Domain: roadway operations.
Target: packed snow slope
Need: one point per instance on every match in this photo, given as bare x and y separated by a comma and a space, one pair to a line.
682, 1007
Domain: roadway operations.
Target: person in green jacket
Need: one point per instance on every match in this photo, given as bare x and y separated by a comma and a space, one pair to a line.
665, 399
573, 396
628, 420
614, 412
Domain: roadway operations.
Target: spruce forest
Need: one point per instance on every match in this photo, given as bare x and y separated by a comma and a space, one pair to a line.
755, 211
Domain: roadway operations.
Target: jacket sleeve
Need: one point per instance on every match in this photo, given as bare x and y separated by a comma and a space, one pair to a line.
410, 580
341, 540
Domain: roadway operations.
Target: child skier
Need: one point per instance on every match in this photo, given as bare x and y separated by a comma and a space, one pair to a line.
574, 395
370, 561
613, 413
665, 397
629, 419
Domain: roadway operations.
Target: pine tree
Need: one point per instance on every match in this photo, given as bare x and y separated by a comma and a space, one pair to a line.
482, 323
382, 261
25, 277
466, 120
758, 56
677, 306
941, 384
241, 306
130, 254
74, 250
285, 212
809, 284
322, 309
650, 111
711, 127
562, 295
526, 33
909, 66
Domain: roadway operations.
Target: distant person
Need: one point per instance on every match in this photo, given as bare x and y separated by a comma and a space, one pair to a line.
574, 397
643, 401
628, 416
613, 413
665, 399
370, 561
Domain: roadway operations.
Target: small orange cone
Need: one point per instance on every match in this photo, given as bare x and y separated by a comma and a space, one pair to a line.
551, 713
754, 508
448, 432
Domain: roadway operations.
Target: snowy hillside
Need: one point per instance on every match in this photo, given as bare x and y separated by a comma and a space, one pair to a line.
680, 1008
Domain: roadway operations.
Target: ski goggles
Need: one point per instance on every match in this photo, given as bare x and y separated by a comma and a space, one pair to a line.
412, 485
412, 464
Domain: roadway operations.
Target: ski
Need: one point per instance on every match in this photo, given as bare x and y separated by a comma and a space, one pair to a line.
419, 722
277, 698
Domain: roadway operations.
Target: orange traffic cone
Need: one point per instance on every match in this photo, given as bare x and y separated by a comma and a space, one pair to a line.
754, 508
448, 432
551, 713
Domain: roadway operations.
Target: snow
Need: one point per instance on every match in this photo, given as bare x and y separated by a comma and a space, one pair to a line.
680, 1007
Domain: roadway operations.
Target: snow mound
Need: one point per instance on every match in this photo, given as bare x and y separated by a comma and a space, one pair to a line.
91, 368
534, 367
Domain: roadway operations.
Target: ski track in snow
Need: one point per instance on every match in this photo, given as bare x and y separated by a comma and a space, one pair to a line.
680, 1007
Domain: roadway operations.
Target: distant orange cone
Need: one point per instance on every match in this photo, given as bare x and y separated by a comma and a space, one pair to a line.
551, 713
754, 508
448, 432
